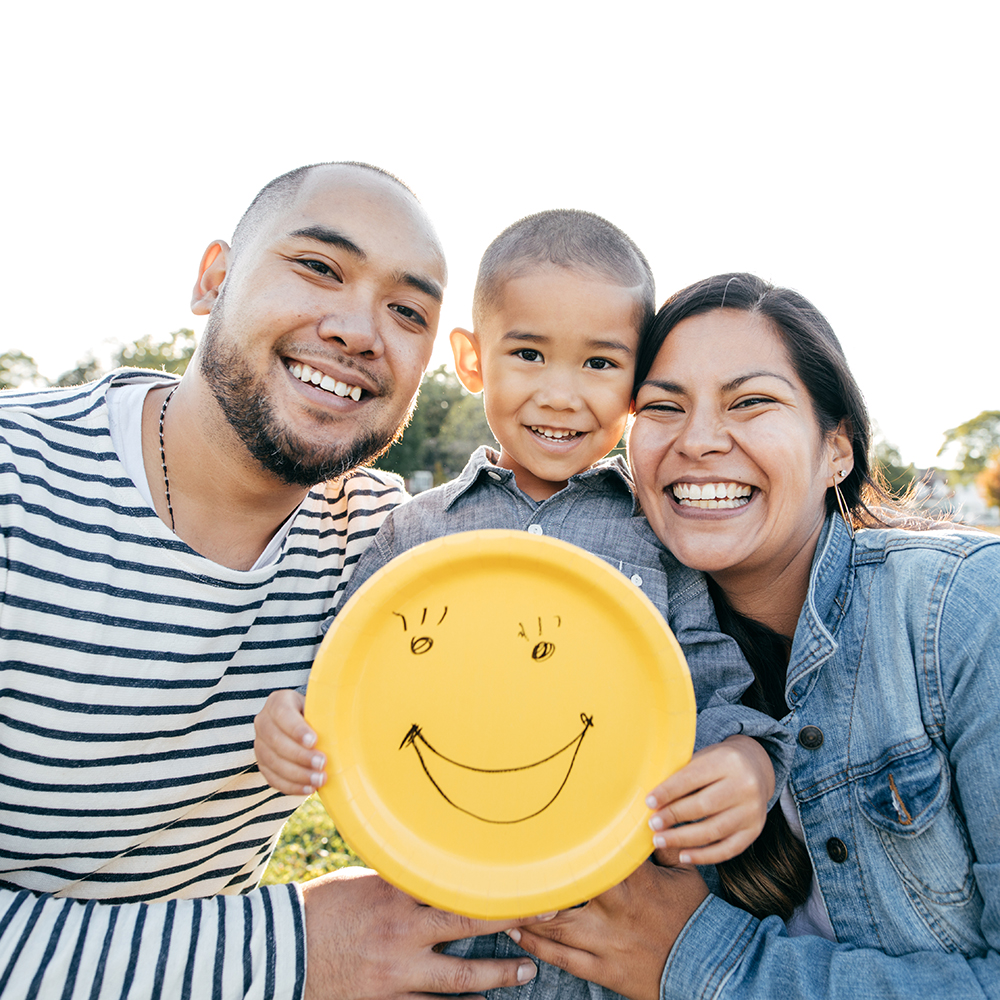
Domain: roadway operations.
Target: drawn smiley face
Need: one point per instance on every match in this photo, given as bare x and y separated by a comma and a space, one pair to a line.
494, 707
513, 792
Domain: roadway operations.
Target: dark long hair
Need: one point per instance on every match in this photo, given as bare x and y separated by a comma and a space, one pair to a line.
818, 360
774, 874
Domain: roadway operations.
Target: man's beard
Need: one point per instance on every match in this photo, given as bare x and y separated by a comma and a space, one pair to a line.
243, 398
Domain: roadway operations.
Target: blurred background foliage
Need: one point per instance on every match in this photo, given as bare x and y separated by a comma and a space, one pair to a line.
448, 423
308, 846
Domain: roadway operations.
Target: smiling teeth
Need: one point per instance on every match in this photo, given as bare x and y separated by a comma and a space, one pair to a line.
712, 496
555, 435
312, 377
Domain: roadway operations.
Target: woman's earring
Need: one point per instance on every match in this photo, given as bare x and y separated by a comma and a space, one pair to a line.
842, 504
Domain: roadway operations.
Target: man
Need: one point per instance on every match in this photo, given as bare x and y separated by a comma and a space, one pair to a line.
167, 565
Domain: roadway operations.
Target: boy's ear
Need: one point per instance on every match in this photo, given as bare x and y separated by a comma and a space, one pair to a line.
465, 347
211, 273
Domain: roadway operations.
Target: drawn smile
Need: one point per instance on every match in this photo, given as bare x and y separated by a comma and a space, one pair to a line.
537, 784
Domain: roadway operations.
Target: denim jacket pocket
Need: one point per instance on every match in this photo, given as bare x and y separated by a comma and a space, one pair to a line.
908, 801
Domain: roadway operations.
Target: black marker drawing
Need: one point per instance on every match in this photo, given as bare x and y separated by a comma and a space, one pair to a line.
415, 738
542, 650
421, 644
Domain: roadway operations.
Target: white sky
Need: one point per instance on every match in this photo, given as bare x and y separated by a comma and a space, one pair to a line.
848, 150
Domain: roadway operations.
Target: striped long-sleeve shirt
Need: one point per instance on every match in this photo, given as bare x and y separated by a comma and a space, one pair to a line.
133, 820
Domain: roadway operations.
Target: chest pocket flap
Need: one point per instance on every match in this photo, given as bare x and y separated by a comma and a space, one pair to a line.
904, 796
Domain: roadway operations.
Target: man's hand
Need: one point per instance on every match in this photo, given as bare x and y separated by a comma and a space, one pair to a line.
622, 938
366, 939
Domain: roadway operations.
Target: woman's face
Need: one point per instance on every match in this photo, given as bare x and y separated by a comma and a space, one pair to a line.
730, 464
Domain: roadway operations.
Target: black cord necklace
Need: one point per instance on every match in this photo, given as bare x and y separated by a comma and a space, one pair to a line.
163, 459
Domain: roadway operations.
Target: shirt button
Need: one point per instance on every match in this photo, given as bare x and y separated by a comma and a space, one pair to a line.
494, 475
837, 850
636, 579
534, 529
811, 737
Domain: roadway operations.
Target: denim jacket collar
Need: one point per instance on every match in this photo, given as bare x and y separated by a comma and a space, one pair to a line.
827, 599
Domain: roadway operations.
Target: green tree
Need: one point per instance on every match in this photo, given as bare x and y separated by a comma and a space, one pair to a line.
988, 481
445, 428
977, 440
16, 368
464, 429
889, 463
87, 369
171, 354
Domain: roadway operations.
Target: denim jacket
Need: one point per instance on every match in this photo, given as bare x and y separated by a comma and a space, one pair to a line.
894, 692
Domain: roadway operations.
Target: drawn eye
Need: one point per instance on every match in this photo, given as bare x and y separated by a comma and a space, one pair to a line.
421, 644
543, 650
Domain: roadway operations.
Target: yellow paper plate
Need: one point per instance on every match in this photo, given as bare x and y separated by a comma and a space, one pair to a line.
494, 706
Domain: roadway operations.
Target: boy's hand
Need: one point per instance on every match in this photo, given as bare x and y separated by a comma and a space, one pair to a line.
284, 746
721, 799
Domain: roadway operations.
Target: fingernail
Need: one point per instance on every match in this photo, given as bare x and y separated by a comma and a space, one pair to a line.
318, 762
318, 779
685, 859
655, 823
659, 842
309, 741
515, 935
651, 802
525, 971
308, 789
547, 916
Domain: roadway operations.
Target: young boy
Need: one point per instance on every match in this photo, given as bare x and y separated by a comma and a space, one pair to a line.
560, 302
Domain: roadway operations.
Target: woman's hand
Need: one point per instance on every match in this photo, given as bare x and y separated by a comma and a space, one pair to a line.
714, 807
622, 938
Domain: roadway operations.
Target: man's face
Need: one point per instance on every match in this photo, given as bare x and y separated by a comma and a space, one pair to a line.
324, 325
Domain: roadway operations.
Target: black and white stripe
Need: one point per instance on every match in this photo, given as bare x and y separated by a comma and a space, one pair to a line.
132, 669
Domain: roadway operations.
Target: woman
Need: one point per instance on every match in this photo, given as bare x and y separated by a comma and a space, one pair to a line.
880, 647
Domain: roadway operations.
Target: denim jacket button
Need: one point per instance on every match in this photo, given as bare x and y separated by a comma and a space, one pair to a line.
636, 579
811, 737
534, 529
494, 475
837, 850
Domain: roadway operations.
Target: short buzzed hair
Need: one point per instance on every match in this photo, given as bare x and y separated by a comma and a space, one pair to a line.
276, 194
569, 238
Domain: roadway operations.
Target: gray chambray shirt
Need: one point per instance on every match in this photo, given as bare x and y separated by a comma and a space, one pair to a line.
597, 511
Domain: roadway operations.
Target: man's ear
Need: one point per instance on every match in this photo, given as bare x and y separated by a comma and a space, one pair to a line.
841, 452
465, 347
211, 273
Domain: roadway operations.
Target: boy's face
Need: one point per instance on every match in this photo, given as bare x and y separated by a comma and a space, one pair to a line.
556, 360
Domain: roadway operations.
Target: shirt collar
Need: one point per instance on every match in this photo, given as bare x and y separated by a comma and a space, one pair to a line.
483, 464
